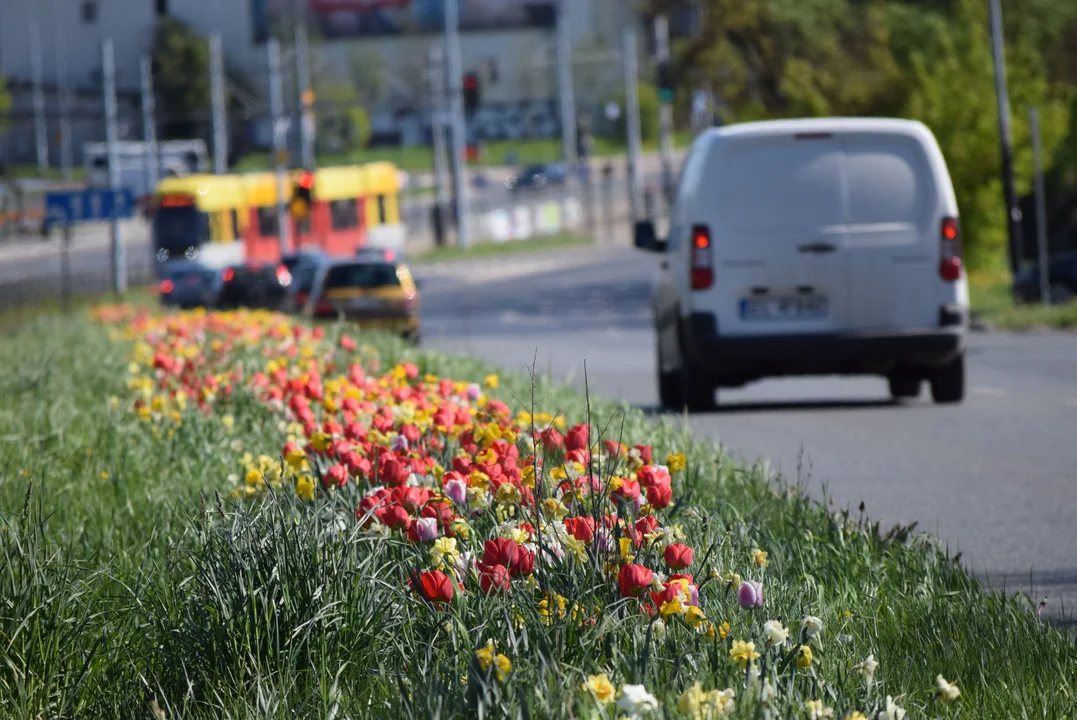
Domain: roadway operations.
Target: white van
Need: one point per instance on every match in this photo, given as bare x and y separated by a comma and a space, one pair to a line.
811, 247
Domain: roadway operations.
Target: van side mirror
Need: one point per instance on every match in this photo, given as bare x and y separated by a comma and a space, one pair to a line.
646, 238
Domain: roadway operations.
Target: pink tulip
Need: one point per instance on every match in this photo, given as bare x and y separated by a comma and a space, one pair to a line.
426, 529
750, 595
456, 490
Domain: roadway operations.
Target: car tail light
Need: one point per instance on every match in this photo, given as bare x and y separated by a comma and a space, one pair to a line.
324, 307
283, 276
167, 286
950, 250
409, 302
702, 264
228, 274
301, 298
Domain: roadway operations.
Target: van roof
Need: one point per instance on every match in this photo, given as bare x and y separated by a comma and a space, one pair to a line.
817, 125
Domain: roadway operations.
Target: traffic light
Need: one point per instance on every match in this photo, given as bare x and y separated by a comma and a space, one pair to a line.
472, 95
303, 195
665, 82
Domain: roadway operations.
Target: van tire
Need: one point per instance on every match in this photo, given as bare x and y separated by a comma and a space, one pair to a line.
948, 382
904, 386
697, 391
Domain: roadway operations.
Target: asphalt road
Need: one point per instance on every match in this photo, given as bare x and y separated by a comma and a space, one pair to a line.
994, 477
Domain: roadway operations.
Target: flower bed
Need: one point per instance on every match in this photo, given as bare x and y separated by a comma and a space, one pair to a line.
480, 501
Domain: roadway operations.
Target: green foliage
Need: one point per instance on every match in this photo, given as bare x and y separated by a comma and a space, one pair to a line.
181, 78
648, 115
5, 102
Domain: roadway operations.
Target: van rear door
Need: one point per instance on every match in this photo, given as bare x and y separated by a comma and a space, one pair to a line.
774, 204
892, 232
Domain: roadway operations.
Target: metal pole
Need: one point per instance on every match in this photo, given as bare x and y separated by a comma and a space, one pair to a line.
665, 108
306, 92
63, 95
437, 86
1013, 212
459, 132
149, 123
220, 126
280, 128
65, 268
40, 128
108, 66
632, 121
565, 89
1041, 207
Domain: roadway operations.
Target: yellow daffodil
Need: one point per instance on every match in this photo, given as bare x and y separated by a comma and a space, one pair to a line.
759, 557
676, 463
508, 493
804, 657
694, 616
818, 711
948, 692
304, 488
444, 552
742, 652
491, 381
600, 688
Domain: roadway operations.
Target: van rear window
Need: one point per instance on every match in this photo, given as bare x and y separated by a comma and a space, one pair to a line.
887, 181
775, 185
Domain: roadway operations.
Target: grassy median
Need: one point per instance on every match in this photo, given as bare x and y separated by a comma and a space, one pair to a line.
155, 564
993, 303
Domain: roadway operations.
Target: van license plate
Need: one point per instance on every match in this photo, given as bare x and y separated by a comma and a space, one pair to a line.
365, 303
800, 307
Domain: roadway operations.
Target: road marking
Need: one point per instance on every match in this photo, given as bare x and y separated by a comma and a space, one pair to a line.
989, 391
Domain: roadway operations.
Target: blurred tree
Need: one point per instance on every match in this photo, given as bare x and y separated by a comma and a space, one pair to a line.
181, 79
648, 115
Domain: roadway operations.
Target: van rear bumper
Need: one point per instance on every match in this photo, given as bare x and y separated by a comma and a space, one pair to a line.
736, 360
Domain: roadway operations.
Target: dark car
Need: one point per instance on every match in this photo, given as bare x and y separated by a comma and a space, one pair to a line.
302, 266
1061, 279
536, 177
187, 285
256, 286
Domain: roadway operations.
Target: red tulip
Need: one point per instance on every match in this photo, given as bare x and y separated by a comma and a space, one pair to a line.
634, 579
393, 516
660, 496
393, 472
410, 497
493, 578
336, 476
581, 528
524, 563
650, 475
645, 454
499, 551
576, 437
629, 490
436, 586
678, 556
646, 525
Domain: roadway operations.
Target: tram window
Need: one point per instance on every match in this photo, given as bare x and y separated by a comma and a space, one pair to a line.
344, 214
267, 222
235, 224
382, 212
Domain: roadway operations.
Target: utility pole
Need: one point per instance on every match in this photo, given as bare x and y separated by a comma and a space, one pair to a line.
632, 119
220, 125
149, 122
63, 94
108, 68
306, 92
437, 88
280, 128
41, 132
1041, 207
565, 90
459, 132
665, 105
1013, 212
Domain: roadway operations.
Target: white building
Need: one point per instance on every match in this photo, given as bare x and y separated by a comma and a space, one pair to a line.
510, 43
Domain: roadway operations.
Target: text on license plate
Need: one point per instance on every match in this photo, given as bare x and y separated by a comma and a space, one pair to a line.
783, 308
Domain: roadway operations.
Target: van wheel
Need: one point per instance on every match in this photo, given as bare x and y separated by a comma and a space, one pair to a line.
904, 386
697, 391
948, 382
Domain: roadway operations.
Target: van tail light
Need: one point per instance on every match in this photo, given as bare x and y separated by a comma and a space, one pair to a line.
167, 286
323, 308
950, 250
283, 276
228, 274
702, 261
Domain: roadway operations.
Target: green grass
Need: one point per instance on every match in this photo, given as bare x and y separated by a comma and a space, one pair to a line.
488, 249
496, 154
991, 301
127, 584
